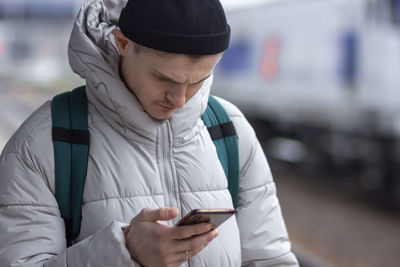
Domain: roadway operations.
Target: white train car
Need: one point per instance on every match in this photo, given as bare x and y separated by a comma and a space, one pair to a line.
325, 73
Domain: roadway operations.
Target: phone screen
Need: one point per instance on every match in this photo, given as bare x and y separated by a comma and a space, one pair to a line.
213, 216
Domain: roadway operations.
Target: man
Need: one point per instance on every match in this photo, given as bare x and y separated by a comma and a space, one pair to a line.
151, 159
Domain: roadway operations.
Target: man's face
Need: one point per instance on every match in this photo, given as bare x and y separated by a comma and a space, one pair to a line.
164, 82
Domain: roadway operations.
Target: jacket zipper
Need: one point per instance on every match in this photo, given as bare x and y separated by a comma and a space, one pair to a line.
170, 179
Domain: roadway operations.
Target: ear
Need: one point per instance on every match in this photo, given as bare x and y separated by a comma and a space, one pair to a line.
123, 42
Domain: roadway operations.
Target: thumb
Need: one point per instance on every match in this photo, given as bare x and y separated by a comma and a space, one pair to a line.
161, 214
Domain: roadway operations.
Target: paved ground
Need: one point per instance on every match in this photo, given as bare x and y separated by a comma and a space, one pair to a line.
340, 227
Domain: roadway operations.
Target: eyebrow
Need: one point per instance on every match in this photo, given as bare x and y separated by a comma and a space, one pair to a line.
172, 80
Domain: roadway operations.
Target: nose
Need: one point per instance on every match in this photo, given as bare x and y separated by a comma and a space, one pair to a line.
177, 95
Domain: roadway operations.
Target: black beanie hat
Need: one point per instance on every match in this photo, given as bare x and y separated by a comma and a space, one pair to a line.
194, 27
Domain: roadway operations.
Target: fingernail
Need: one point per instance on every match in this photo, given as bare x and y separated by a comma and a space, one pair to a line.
216, 233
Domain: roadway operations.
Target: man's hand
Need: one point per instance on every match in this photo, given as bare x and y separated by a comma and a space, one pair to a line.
151, 243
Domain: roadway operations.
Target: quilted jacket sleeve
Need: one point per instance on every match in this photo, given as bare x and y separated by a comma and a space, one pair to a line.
263, 234
32, 232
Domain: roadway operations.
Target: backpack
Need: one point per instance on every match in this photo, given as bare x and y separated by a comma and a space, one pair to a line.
70, 136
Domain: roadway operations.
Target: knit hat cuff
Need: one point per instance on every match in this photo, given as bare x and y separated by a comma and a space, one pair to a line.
191, 44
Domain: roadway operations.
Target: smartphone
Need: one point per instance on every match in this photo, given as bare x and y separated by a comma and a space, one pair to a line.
213, 216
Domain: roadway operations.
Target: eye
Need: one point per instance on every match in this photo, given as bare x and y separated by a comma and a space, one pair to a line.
195, 85
161, 78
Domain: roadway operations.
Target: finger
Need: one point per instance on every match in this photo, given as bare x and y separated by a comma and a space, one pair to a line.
196, 243
180, 257
161, 214
196, 251
188, 231
183, 255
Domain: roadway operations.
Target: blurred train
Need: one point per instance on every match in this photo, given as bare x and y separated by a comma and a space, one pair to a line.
42, 8
320, 80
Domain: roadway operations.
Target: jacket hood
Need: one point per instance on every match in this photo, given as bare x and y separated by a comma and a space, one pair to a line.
94, 56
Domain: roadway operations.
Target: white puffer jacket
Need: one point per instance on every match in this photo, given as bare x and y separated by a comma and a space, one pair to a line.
134, 162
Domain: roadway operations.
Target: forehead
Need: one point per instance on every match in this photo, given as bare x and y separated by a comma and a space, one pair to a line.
142, 49
178, 62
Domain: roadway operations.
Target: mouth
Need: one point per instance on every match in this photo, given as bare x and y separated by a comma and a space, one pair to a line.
167, 107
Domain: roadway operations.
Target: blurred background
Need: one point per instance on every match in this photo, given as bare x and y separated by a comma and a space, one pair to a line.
319, 80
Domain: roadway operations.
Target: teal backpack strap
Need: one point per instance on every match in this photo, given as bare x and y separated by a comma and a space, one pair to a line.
224, 136
62, 156
71, 148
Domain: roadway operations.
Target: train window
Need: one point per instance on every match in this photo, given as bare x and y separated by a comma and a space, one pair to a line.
236, 58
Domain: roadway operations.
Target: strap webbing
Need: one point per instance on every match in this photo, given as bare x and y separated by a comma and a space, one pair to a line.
222, 130
71, 148
70, 136
80, 152
225, 140
62, 158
